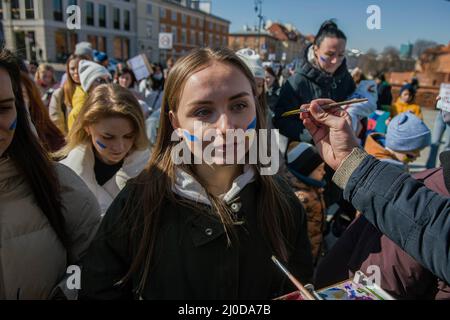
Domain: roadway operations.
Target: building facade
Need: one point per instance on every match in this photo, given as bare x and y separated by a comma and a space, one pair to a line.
38, 30
191, 27
262, 42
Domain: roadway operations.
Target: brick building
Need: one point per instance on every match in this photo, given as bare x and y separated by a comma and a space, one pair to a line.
251, 38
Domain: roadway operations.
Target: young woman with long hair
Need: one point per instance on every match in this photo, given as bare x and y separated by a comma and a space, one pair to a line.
200, 231
108, 143
48, 215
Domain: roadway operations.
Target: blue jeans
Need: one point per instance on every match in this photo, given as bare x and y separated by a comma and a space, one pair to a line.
439, 128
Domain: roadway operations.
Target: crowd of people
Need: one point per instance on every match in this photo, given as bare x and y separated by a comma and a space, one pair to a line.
87, 177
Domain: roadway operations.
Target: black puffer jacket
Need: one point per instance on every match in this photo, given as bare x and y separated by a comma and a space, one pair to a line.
193, 259
306, 84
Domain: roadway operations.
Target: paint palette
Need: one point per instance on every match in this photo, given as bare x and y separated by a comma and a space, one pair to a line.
349, 290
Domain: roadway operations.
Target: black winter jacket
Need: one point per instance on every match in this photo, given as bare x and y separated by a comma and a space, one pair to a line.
193, 260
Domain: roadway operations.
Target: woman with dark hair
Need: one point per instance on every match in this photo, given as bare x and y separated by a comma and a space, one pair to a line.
272, 88
205, 230
321, 73
127, 80
48, 214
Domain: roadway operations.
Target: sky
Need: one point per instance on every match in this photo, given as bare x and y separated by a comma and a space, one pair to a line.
402, 21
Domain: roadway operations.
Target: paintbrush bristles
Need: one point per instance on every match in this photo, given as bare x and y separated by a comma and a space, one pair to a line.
326, 106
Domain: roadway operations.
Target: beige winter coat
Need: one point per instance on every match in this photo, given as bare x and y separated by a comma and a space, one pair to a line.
32, 259
82, 161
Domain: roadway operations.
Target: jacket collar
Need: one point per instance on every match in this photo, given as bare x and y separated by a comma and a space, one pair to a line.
187, 187
82, 160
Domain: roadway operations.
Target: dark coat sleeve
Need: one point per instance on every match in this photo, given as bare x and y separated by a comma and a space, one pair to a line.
289, 99
107, 260
414, 217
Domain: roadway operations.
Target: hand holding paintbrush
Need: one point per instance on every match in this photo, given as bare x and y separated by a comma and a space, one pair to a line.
305, 107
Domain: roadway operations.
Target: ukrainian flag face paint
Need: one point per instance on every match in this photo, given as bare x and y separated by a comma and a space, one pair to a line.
100, 144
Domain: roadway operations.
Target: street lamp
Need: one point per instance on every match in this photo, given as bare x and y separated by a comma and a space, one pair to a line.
258, 10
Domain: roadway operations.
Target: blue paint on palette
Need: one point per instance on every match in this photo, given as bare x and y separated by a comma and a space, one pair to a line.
101, 145
252, 125
190, 137
13, 125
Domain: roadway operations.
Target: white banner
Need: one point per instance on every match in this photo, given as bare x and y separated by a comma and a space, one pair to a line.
165, 40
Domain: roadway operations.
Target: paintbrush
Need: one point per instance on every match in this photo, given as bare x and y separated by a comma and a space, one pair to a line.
305, 293
326, 106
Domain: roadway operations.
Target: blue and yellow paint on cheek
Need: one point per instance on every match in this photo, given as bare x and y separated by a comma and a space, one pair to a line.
251, 129
101, 145
13, 125
190, 137
323, 59
252, 125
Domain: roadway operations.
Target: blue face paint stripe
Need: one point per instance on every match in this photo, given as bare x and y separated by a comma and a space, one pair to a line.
101, 145
252, 125
323, 59
13, 125
190, 137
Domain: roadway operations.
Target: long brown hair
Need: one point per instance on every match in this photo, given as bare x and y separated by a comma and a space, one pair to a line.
154, 184
50, 136
30, 157
70, 85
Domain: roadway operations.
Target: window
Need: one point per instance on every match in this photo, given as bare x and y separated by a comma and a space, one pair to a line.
15, 10
210, 42
149, 9
89, 13
126, 20
183, 19
116, 16
175, 35
101, 44
174, 16
162, 12
200, 39
72, 2
183, 36
29, 9
102, 15
150, 29
121, 48
61, 46
193, 41
57, 10
93, 40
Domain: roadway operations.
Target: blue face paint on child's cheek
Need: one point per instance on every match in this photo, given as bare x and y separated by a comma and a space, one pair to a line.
252, 125
101, 145
190, 137
13, 125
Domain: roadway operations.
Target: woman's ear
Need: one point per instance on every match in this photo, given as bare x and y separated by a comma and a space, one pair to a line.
175, 124
88, 131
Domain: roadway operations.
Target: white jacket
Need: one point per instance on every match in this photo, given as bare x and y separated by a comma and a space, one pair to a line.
82, 161
33, 261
